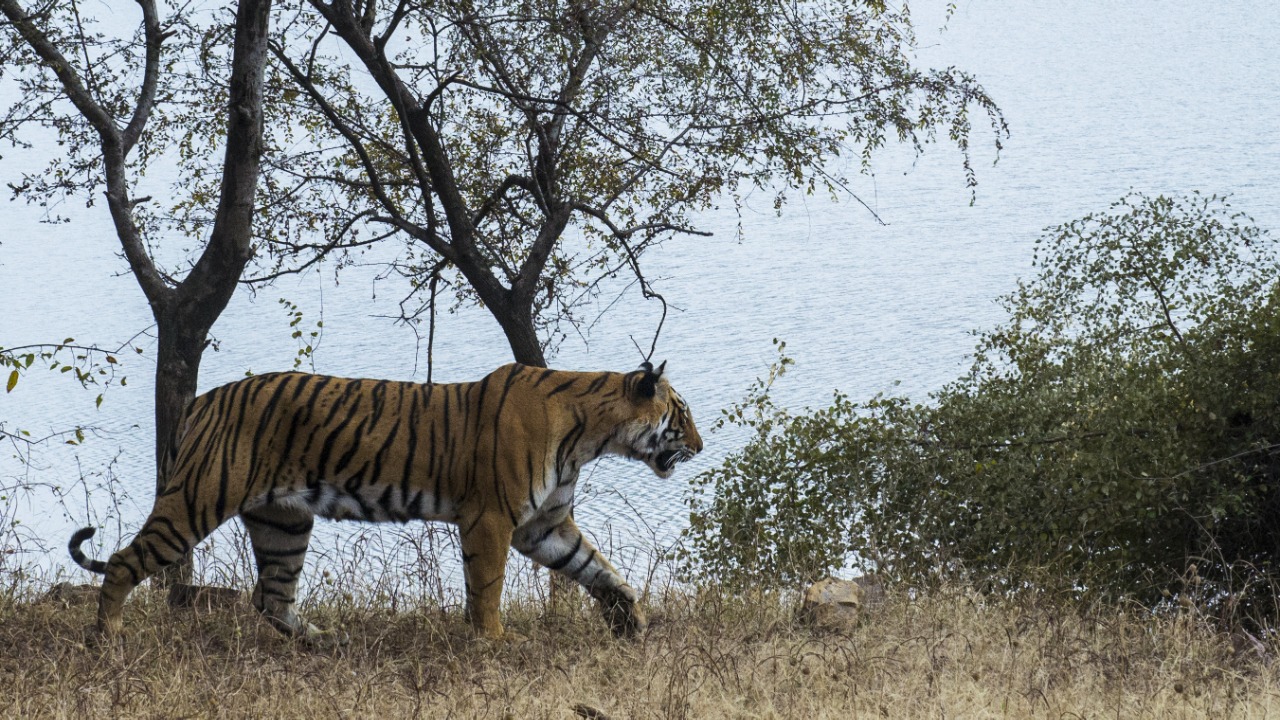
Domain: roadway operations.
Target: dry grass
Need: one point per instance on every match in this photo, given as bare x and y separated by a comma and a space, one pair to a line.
708, 656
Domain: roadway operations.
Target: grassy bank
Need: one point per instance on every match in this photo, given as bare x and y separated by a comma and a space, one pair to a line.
946, 655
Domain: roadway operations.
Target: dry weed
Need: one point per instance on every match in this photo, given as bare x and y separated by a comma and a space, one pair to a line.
708, 655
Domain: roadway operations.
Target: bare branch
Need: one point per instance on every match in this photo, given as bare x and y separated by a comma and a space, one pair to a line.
625, 233
397, 17
633, 260
511, 181
376, 183
150, 78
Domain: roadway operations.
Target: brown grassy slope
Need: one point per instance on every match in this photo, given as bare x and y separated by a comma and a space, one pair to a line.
948, 655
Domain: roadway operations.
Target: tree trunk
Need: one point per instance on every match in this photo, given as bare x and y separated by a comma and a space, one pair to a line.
185, 316
177, 370
517, 324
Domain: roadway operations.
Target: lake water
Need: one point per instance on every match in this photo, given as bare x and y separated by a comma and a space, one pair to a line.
1101, 98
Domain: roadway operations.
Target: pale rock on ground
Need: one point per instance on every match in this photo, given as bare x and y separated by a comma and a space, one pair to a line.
840, 605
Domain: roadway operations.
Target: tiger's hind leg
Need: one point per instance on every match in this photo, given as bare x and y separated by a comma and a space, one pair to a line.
280, 536
164, 538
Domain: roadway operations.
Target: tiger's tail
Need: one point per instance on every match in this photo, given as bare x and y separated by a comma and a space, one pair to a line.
93, 566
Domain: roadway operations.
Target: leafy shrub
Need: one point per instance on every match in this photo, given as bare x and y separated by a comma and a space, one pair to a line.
1120, 426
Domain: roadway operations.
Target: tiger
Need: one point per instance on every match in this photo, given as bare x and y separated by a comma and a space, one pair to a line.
498, 457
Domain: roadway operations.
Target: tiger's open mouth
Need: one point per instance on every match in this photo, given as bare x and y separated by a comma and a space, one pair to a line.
663, 462
667, 459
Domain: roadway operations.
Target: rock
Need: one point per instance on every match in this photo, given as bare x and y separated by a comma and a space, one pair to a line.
67, 594
203, 597
840, 605
1245, 646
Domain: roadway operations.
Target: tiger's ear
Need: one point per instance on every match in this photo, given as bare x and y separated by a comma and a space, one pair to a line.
647, 386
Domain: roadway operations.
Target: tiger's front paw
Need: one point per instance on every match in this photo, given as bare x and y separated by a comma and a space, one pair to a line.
96, 637
317, 639
625, 618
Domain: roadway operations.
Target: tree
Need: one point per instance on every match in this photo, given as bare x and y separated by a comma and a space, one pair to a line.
109, 131
527, 149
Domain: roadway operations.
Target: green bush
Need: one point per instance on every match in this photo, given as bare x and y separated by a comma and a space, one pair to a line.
1118, 428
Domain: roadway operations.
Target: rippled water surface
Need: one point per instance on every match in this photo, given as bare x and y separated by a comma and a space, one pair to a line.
1100, 97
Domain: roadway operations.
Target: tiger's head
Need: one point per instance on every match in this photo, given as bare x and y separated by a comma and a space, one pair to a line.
660, 431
